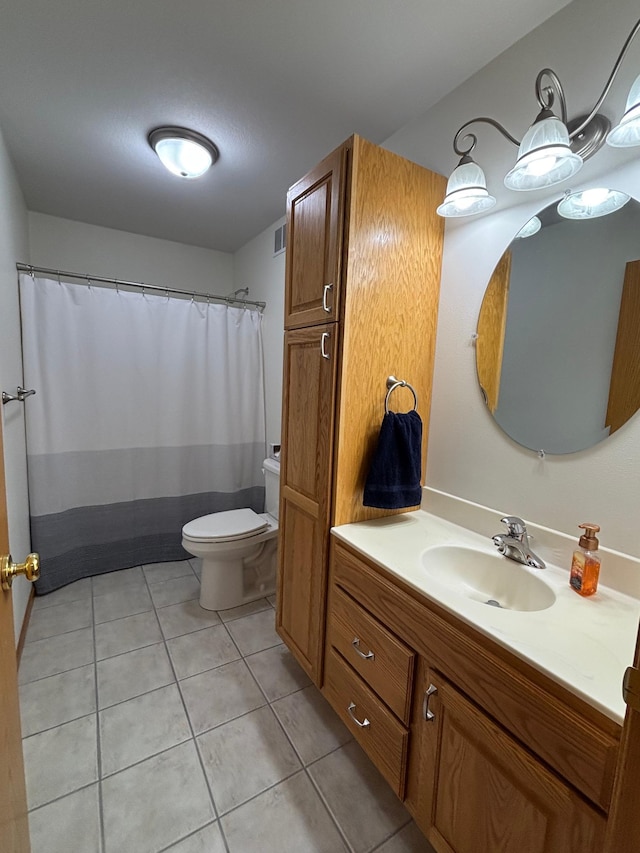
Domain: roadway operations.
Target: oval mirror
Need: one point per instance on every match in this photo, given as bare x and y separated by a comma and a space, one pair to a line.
558, 338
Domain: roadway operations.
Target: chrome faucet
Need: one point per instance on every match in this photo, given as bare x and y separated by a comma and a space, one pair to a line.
515, 543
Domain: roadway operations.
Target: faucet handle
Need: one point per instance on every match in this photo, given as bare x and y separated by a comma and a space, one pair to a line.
516, 525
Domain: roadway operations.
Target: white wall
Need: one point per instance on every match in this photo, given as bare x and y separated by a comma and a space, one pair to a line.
469, 455
13, 248
257, 268
78, 247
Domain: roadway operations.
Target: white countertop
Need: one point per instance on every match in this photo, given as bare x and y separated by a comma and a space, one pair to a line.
585, 644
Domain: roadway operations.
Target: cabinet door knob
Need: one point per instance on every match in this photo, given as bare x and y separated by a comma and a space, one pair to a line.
356, 645
350, 711
426, 713
323, 345
325, 293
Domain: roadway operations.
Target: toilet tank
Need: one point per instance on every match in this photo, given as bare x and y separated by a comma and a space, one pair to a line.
271, 468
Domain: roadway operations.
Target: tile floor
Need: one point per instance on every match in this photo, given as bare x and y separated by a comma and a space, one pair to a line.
152, 725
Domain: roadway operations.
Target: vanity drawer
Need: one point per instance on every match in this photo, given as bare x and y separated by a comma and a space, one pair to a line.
382, 737
383, 661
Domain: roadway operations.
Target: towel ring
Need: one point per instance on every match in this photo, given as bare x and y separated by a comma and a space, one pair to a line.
392, 384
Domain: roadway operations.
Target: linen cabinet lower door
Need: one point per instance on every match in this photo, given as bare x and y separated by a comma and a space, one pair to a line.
490, 794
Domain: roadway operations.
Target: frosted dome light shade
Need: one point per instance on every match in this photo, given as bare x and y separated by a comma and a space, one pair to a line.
183, 152
529, 228
466, 191
627, 133
544, 157
589, 204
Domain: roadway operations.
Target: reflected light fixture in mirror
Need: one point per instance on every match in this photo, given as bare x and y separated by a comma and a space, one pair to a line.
529, 229
183, 152
552, 150
557, 347
589, 204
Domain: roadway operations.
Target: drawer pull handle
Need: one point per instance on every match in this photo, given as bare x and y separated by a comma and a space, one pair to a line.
323, 345
362, 725
356, 645
426, 713
325, 293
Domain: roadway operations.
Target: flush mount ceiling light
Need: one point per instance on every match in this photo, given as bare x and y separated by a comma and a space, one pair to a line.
552, 150
183, 152
589, 204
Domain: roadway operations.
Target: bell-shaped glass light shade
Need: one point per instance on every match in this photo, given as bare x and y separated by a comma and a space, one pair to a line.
590, 204
529, 228
627, 133
466, 191
544, 157
183, 152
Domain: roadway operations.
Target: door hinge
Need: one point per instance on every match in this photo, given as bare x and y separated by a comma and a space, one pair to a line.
631, 688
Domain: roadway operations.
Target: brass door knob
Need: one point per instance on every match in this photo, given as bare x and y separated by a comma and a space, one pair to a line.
9, 570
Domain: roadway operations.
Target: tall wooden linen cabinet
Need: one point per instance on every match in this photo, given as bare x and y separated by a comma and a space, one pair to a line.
361, 301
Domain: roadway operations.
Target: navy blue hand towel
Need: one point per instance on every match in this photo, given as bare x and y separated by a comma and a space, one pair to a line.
393, 481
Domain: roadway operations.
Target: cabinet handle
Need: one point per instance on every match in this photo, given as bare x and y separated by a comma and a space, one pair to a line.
356, 645
426, 713
350, 711
323, 350
325, 292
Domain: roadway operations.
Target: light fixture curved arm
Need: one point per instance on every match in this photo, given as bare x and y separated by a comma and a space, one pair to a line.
461, 152
546, 94
609, 82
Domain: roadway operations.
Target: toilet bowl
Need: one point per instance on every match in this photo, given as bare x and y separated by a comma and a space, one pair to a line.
238, 549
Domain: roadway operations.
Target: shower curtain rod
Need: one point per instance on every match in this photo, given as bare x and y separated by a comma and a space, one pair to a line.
30, 268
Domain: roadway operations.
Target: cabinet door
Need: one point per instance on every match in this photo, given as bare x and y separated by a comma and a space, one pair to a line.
305, 485
315, 216
489, 793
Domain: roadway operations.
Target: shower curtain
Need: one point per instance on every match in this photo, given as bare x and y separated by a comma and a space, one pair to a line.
149, 412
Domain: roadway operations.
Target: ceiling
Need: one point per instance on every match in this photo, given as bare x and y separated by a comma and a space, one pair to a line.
276, 85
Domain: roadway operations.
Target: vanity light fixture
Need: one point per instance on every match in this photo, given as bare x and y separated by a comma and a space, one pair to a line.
529, 228
553, 148
592, 203
183, 152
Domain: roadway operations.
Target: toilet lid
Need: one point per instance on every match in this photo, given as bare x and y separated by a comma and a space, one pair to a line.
233, 524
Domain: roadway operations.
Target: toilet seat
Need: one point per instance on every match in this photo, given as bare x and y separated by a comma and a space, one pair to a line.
229, 526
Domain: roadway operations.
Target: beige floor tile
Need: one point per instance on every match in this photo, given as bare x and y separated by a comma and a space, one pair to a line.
408, 840
56, 654
61, 619
71, 592
313, 727
125, 635
141, 727
68, 825
207, 840
289, 818
57, 699
116, 581
158, 572
220, 695
374, 814
174, 591
244, 610
277, 672
255, 633
201, 650
133, 674
121, 603
60, 760
156, 803
246, 756
185, 617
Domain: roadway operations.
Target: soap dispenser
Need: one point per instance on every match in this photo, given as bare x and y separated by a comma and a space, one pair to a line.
585, 565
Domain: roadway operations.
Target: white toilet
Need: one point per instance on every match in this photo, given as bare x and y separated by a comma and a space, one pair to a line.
238, 549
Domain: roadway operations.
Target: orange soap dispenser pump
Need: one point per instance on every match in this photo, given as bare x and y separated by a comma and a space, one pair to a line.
585, 565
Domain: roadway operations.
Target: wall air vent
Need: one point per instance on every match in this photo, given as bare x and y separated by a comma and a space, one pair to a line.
280, 239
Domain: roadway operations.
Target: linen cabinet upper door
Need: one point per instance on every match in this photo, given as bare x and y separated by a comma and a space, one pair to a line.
315, 220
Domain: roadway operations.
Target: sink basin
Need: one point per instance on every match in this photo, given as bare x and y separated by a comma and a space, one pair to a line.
487, 578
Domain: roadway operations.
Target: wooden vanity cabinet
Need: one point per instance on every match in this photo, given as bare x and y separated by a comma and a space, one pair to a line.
361, 300
497, 757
